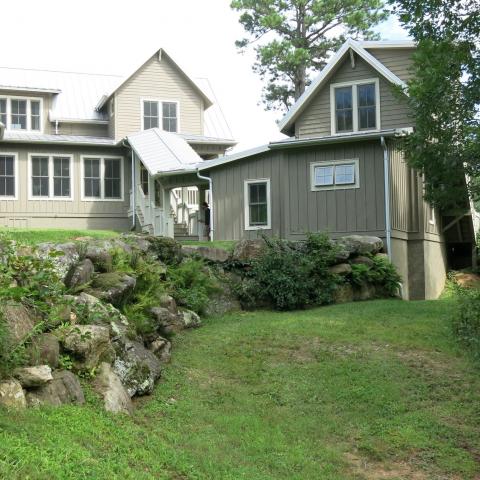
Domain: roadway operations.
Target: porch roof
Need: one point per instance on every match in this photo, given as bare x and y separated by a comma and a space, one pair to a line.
164, 153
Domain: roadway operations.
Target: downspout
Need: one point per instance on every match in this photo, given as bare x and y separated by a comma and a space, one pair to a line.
212, 215
386, 169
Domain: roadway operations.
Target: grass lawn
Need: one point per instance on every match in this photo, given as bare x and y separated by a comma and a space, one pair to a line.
32, 236
224, 244
369, 390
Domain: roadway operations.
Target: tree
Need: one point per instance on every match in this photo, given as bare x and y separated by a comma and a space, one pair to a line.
295, 37
444, 96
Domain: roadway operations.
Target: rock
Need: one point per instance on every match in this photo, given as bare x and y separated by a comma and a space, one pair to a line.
161, 347
168, 302
98, 253
44, 349
166, 322
190, 319
33, 376
19, 321
360, 245
362, 260
343, 293
137, 367
115, 397
341, 269
80, 275
63, 256
167, 250
222, 302
139, 242
114, 287
211, 254
366, 291
63, 389
12, 395
90, 345
247, 250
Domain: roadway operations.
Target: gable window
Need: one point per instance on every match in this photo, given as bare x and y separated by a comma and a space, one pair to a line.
355, 106
144, 179
169, 116
337, 174
150, 114
21, 113
50, 177
257, 204
7, 176
102, 178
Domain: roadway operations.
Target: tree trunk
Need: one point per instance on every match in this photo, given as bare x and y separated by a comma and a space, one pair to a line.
300, 81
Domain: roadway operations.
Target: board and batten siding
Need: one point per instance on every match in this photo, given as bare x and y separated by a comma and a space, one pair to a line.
398, 60
160, 80
315, 120
295, 209
74, 213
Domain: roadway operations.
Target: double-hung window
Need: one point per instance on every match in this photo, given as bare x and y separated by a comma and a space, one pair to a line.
355, 106
257, 204
160, 114
50, 177
102, 178
21, 114
333, 175
7, 176
18, 119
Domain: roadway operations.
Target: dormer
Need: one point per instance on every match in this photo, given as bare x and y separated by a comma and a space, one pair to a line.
355, 93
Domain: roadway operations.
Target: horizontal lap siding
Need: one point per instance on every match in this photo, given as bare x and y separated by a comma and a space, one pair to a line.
91, 130
398, 60
316, 119
157, 80
114, 212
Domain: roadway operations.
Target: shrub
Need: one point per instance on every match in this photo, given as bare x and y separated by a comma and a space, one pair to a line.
167, 250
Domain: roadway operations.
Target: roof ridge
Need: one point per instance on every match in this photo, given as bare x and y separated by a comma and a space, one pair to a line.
61, 71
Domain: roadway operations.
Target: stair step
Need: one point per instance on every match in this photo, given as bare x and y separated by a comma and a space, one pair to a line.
186, 238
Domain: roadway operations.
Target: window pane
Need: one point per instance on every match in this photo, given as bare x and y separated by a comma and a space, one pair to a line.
7, 178
61, 177
345, 174
92, 177
150, 115
112, 181
366, 95
169, 115
366, 106
19, 114
3, 111
343, 109
367, 117
40, 177
323, 176
258, 206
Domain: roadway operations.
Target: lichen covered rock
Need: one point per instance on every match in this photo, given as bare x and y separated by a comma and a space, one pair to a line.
12, 395
113, 287
109, 386
33, 376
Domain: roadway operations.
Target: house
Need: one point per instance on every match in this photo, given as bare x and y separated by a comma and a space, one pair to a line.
342, 170
70, 146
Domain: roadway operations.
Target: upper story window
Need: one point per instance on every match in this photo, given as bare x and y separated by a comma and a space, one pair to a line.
151, 111
335, 174
102, 178
355, 106
21, 113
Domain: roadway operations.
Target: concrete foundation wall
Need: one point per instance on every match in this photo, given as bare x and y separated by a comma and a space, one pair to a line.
435, 260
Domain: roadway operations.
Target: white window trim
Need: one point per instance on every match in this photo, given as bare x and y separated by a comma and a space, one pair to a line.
102, 159
334, 163
268, 226
15, 171
50, 177
8, 126
160, 101
354, 85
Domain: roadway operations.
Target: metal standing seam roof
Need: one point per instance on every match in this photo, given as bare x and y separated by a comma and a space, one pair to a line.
15, 137
163, 152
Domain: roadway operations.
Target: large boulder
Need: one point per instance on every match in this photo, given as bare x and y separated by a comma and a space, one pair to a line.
168, 302
44, 350
137, 367
115, 397
90, 345
189, 319
341, 269
19, 321
212, 254
33, 376
63, 256
12, 395
80, 275
343, 294
360, 245
362, 260
64, 389
165, 321
114, 287
247, 250
98, 252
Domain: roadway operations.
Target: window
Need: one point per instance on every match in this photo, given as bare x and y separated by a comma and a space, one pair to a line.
150, 114
169, 116
355, 106
257, 204
40, 177
144, 179
158, 194
21, 113
50, 177
102, 178
337, 174
7, 176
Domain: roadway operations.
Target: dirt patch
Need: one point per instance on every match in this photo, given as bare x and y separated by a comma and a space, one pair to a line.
467, 280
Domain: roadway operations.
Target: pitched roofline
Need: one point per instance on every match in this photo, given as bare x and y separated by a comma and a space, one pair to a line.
160, 53
387, 44
53, 91
357, 47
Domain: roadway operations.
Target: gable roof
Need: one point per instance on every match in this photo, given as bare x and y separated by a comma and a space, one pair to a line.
160, 53
360, 49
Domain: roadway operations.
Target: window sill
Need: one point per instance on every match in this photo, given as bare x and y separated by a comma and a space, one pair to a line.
258, 227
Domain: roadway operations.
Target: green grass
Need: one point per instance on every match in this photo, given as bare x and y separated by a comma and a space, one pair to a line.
32, 236
342, 392
224, 244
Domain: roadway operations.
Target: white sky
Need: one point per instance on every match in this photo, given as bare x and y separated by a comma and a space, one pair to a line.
116, 36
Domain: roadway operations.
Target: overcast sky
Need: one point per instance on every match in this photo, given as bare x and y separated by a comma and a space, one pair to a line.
116, 36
